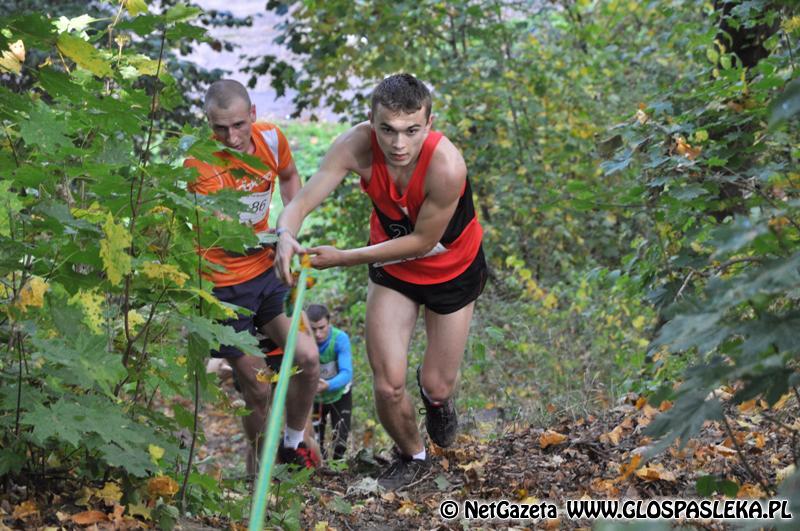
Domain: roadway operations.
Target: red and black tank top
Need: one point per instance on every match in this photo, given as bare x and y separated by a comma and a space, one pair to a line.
395, 214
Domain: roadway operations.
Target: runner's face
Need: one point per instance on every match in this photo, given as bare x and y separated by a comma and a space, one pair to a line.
231, 126
400, 135
320, 329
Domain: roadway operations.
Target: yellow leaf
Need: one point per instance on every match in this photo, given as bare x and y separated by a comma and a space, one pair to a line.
305, 261
12, 59
164, 272
551, 301
782, 402
408, 508
114, 250
135, 7
92, 304
140, 509
135, 319
321, 526
156, 452
262, 376
639, 322
550, 438
211, 299
161, 486
110, 493
32, 293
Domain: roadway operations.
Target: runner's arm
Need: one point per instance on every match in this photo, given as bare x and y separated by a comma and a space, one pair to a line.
338, 161
344, 361
289, 182
447, 177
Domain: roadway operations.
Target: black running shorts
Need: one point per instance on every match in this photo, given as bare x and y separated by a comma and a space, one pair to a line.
445, 297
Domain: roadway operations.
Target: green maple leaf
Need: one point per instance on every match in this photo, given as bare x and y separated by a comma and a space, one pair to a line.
44, 128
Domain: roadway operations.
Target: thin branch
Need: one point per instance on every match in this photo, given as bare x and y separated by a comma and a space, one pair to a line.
194, 438
742, 458
18, 344
11, 143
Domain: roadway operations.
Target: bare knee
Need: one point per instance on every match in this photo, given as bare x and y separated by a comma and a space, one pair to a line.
307, 359
256, 394
438, 387
389, 393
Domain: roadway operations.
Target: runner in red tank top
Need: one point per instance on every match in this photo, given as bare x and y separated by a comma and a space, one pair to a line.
424, 250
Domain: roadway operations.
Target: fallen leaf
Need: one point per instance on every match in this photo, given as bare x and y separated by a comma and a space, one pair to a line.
550, 438
408, 508
612, 437
89, 517
445, 463
666, 405
140, 509
782, 402
162, 486
640, 402
110, 493
655, 472
749, 490
24, 510
628, 469
744, 407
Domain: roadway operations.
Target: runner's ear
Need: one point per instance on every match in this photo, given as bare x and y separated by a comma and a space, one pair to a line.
253, 112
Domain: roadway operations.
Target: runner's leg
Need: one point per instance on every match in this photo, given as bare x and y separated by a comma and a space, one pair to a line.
303, 385
390, 322
257, 397
447, 337
340, 420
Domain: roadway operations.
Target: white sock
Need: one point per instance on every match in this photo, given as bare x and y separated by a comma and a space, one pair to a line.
420, 456
292, 438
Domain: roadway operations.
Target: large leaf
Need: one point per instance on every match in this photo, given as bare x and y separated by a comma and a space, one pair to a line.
786, 105
84, 54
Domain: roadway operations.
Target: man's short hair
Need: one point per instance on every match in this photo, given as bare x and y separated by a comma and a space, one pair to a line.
317, 312
224, 92
402, 92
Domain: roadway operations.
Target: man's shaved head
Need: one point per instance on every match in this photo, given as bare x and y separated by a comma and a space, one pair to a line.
224, 93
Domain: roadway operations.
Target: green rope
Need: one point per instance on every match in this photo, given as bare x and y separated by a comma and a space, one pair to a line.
276, 416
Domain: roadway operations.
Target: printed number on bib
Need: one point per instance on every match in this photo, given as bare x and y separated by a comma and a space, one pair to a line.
256, 207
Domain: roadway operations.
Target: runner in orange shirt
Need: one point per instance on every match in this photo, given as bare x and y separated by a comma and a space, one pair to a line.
248, 279
424, 250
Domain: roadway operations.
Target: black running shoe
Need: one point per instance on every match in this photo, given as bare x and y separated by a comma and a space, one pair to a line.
300, 456
403, 471
441, 420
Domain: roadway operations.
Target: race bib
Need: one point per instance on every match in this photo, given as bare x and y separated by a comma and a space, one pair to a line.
438, 249
328, 370
256, 207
